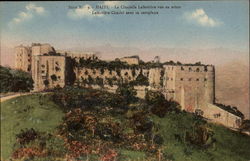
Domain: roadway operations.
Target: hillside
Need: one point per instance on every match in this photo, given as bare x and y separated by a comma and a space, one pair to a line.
101, 126
33, 111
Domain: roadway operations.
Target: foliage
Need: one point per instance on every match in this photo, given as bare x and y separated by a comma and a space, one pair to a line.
159, 105
200, 135
26, 136
230, 109
99, 81
95, 130
245, 126
140, 80
154, 97
70, 97
15, 80
26, 112
128, 92
40, 145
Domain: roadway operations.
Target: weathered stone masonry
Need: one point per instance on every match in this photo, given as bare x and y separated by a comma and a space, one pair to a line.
193, 86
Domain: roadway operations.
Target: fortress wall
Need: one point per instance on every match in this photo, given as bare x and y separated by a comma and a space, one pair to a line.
130, 60
189, 85
23, 58
46, 66
141, 90
126, 74
155, 77
38, 49
218, 115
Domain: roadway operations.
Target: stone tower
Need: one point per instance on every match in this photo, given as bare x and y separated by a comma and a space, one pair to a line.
23, 58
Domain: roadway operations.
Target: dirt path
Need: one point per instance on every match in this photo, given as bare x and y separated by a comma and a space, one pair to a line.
5, 98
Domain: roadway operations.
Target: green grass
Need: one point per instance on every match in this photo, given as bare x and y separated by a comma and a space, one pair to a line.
229, 146
132, 155
40, 113
33, 111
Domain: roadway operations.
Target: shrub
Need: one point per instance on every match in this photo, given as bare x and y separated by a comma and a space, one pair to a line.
154, 97
128, 92
26, 136
15, 80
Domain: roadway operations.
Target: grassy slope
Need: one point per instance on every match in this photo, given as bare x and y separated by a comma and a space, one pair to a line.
34, 111
45, 116
230, 145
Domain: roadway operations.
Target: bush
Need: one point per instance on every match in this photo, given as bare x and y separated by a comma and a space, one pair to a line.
159, 105
15, 80
128, 92
26, 136
200, 135
154, 97
140, 80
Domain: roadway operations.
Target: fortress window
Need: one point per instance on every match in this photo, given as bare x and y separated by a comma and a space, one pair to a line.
182, 68
43, 65
171, 78
181, 79
42, 71
57, 69
205, 68
190, 79
59, 77
198, 69
190, 69
217, 115
44, 77
197, 79
205, 79
57, 63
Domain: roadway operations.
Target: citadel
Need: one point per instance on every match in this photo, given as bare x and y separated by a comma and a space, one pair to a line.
191, 85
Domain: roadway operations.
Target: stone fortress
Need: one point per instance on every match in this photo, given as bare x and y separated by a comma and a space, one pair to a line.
191, 85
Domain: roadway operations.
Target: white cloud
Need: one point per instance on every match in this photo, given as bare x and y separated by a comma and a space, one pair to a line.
30, 11
200, 17
83, 12
33, 7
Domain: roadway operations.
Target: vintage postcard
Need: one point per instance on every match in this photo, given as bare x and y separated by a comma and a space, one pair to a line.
125, 81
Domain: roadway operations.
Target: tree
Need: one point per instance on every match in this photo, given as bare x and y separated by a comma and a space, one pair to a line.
15, 80
245, 126
99, 81
154, 97
142, 80
128, 92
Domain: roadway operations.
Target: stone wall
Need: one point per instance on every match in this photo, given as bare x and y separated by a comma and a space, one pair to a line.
218, 115
130, 60
191, 86
124, 75
48, 71
39, 49
23, 58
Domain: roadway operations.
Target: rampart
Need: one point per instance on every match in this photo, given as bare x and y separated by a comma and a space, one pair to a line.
191, 85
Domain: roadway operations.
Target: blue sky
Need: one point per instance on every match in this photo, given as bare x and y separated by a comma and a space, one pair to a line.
196, 24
